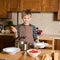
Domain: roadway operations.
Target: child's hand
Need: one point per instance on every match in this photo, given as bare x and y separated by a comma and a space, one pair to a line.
37, 40
13, 29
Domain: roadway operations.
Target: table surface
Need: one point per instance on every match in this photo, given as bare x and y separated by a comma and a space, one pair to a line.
21, 56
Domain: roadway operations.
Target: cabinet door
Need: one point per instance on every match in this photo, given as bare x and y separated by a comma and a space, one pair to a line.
3, 8
59, 12
1, 44
34, 5
13, 5
57, 44
19, 5
6, 41
50, 6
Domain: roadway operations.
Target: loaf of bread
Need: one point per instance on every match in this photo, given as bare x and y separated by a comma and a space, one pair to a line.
46, 57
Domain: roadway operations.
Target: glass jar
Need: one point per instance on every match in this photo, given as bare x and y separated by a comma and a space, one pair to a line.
25, 46
21, 45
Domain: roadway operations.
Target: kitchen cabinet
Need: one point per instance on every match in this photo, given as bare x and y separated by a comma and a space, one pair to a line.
57, 44
6, 41
14, 5
3, 8
49, 5
40, 5
58, 16
34, 5
48, 40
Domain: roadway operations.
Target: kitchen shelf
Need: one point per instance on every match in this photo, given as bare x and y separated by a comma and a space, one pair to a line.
48, 40
49, 46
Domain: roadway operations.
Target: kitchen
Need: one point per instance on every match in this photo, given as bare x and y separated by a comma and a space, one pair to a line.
47, 16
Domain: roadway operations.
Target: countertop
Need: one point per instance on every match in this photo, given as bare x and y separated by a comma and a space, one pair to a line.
21, 56
50, 36
6, 34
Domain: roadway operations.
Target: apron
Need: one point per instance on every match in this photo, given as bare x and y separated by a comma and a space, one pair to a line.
26, 34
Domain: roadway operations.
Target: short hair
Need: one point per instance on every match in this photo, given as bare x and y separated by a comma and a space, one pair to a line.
26, 12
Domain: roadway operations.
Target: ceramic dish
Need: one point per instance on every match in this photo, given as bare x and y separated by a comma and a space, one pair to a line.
34, 52
11, 50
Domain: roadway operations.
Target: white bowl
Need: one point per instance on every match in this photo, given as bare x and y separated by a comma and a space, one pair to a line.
11, 50
33, 54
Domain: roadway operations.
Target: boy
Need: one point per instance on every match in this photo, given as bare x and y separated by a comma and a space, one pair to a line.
25, 32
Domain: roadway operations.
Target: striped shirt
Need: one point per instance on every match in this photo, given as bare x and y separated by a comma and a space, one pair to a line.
34, 31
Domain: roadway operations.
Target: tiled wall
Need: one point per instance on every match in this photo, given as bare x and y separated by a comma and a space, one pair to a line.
42, 20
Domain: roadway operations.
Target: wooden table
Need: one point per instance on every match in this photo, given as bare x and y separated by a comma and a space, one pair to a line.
21, 56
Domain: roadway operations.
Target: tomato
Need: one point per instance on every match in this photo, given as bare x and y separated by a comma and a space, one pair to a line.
33, 51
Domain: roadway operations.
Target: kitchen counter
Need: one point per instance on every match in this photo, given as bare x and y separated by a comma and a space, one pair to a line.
7, 34
21, 56
50, 36
53, 40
